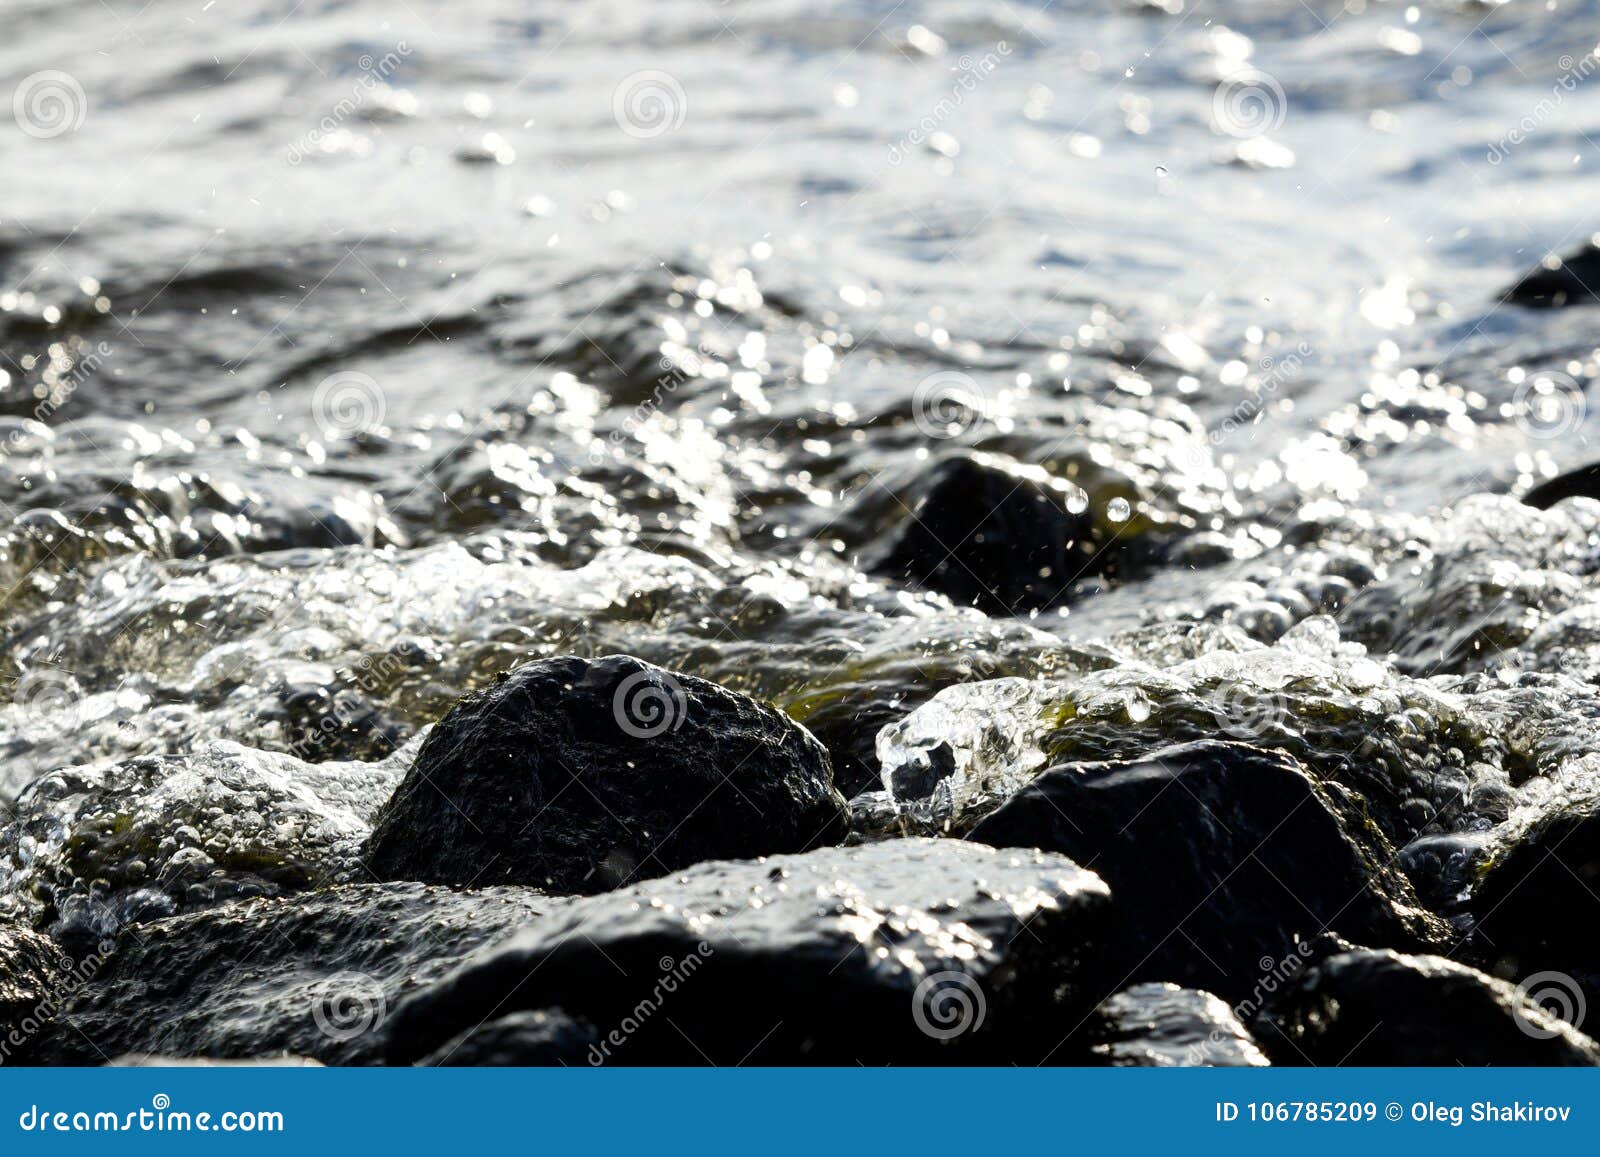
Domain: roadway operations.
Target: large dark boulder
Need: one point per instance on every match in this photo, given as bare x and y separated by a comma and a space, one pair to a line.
990, 533
1570, 280
1365, 1007
901, 951
579, 775
1162, 1025
1537, 902
1220, 857
317, 975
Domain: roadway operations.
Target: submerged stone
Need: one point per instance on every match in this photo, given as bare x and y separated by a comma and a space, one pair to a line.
1367, 1007
900, 951
580, 775
93, 848
314, 976
1220, 857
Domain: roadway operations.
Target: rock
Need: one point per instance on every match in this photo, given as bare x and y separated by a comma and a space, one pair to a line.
1538, 899
1557, 282
314, 976
1584, 482
90, 849
1162, 1025
1220, 856
580, 775
531, 1037
35, 975
150, 1061
1368, 1007
991, 533
900, 951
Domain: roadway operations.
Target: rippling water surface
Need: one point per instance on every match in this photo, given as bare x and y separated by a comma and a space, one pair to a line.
354, 353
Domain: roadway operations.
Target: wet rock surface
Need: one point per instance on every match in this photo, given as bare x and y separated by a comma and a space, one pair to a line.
1571, 279
1537, 899
1163, 1025
994, 534
90, 849
1220, 856
529, 1037
33, 972
1365, 1007
905, 950
579, 776
316, 976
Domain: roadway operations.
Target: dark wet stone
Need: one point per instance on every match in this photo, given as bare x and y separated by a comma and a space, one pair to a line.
1162, 1025
1570, 280
900, 951
34, 975
1537, 902
1220, 857
530, 1037
580, 775
1584, 482
151, 1061
1368, 1007
990, 533
317, 975
1441, 867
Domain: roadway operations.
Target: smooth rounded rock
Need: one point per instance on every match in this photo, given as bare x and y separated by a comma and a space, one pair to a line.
580, 775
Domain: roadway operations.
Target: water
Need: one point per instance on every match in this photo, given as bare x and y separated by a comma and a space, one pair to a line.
355, 353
